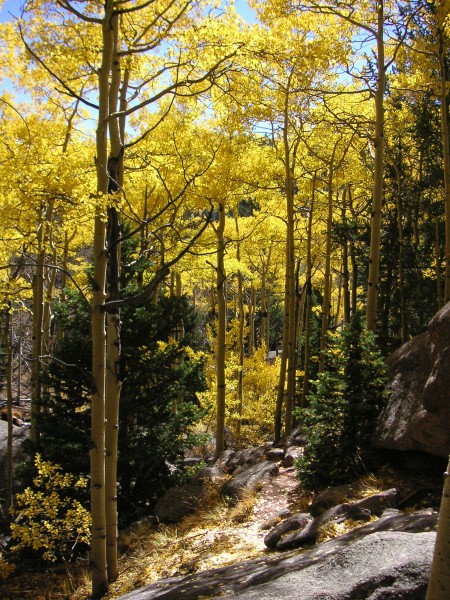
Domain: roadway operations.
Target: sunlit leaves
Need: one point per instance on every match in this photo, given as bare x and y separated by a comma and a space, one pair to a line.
49, 521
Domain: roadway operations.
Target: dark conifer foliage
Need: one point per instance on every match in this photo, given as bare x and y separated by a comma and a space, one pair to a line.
161, 374
343, 409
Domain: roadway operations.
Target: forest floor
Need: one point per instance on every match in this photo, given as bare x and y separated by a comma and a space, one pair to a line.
218, 534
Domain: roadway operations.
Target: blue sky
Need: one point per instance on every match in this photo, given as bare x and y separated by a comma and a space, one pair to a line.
13, 6
10, 6
244, 10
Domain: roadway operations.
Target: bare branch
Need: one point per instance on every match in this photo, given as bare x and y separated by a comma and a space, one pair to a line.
68, 89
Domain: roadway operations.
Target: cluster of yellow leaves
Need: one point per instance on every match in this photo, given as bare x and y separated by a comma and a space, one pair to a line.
48, 520
260, 381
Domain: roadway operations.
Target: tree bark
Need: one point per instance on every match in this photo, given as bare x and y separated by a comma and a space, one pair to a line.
97, 451
287, 365
308, 297
446, 159
240, 387
401, 276
221, 332
113, 381
437, 258
326, 306
377, 195
6, 339
251, 321
38, 311
265, 332
439, 583
345, 270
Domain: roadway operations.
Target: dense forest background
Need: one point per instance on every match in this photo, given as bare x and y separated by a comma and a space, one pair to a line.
203, 215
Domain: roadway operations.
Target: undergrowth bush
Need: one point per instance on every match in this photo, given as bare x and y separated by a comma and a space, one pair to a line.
49, 520
342, 411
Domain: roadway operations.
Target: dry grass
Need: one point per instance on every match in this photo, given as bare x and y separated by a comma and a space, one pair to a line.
208, 538
333, 529
219, 533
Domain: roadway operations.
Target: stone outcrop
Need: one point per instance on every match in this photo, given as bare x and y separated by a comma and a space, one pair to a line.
418, 410
178, 502
248, 478
382, 566
306, 530
384, 560
243, 471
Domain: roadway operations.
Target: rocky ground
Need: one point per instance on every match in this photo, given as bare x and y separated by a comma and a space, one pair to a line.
238, 516
367, 531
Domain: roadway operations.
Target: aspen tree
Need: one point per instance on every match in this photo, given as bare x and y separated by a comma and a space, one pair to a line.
241, 316
333, 163
373, 20
221, 330
265, 323
5, 339
345, 266
287, 365
117, 90
442, 56
38, 312
98, 558
439, 582
145, 26
377, 196
308, 286
297, 43
327, 272
427, 57
251, 303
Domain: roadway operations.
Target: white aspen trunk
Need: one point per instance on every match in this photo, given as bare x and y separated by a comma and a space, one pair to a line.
308, 297
38, 311
345, 270
377, 196
327, 287
47, 316
401, 275
437, 258
251, 321
439, 582
49, 276
113, 382
6, 336
97, 451
291, 301
265, 331
240, 387
287, 366
446, 160
113, 386
221, 333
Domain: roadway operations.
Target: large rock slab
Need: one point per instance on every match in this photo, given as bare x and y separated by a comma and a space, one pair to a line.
385, 565
395, 548
418, 411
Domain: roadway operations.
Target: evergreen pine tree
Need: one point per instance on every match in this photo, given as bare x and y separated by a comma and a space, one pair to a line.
343, 409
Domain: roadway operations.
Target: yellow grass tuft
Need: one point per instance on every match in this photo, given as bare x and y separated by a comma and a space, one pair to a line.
333, 529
